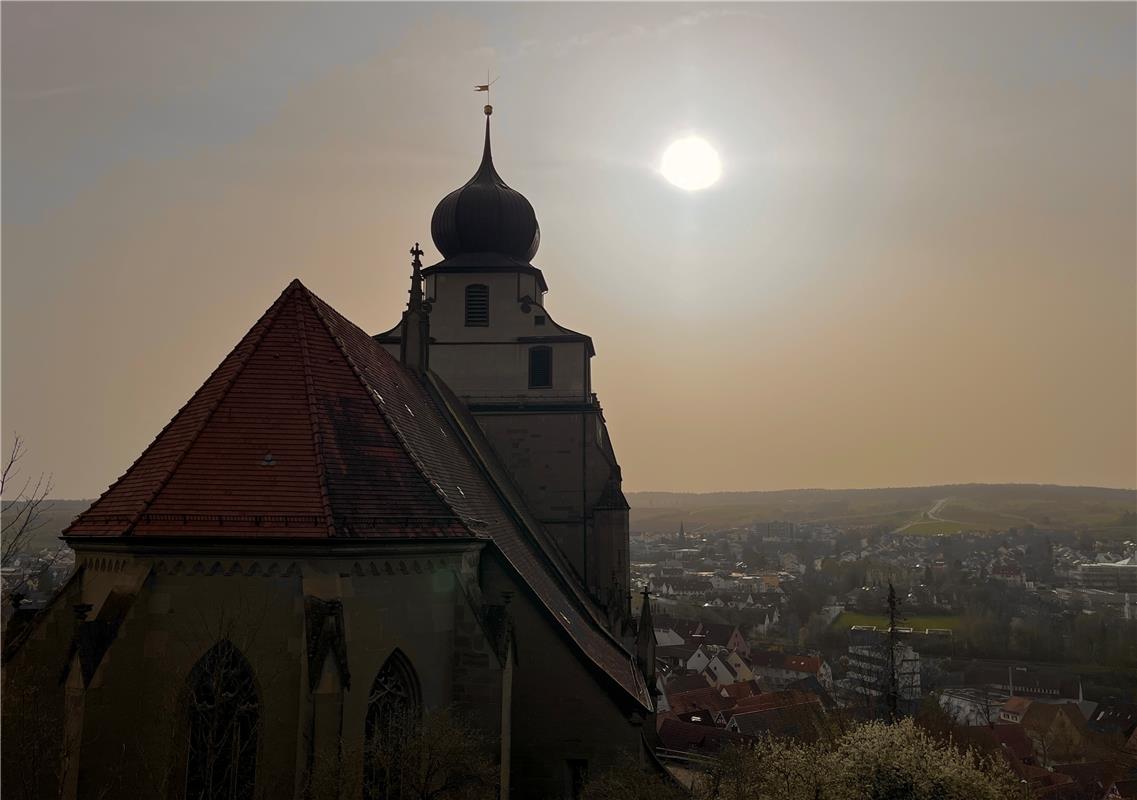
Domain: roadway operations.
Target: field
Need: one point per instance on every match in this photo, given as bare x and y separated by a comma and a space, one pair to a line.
850, 618
934, 528
923, 510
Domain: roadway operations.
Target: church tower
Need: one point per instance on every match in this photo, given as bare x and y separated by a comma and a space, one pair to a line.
524, 377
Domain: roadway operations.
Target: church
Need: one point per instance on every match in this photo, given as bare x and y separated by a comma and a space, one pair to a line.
342, 531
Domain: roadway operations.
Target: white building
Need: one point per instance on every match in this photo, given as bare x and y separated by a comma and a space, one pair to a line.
972, 706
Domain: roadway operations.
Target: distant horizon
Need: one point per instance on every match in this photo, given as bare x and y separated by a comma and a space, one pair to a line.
92, 498
877, 488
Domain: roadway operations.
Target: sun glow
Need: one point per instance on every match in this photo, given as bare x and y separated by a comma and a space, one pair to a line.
691, 164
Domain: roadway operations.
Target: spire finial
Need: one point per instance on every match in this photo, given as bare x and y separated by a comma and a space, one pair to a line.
414, 330
485, 87
416, 279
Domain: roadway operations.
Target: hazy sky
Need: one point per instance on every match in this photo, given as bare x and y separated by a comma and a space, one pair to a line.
919, 266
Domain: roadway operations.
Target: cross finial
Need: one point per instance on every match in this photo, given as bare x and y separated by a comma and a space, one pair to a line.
485, 87
416, 251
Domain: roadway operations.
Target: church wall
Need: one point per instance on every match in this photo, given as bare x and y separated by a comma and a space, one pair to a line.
610, 554
563, 710
561, 463
131, 735
134, 729
428, 616
34, 701
500, 372
447, 292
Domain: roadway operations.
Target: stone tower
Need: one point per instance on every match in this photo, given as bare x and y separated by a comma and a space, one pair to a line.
524, 377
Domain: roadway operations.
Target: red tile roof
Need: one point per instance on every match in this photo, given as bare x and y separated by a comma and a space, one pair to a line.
361, 448
762, 702
775, 660
742, 689
690, 737
686, 683
708, 699
799, 717
1017, 705
285, 439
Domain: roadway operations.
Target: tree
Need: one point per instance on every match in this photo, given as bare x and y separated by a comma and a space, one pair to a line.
629, 781
872, 761
23, 513
439, 757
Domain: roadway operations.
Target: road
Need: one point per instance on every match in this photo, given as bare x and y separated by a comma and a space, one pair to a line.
931, 515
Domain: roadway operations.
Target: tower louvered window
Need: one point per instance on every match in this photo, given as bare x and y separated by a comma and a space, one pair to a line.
477, 305
540, 367
393, 714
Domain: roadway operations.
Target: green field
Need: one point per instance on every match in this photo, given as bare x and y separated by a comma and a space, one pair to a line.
934, 528
850, 618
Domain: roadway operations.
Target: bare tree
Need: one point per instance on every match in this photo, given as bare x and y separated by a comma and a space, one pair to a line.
438, 756
23, 514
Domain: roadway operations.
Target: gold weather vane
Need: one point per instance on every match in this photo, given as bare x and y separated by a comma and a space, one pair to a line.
485, 87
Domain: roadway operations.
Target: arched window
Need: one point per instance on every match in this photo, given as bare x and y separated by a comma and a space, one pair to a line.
540, 367
393, 713
224, 722
477, 305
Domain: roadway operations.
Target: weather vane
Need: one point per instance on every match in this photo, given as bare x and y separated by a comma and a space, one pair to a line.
485, 87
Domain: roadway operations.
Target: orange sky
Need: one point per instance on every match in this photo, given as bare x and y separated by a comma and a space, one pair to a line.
920, 265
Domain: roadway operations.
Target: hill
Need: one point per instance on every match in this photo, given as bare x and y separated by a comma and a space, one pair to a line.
916, 509
56, 516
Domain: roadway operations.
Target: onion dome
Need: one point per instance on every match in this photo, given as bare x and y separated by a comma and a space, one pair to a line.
486, 216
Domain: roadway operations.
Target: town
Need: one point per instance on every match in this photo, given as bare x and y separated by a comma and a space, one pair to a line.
1021, 642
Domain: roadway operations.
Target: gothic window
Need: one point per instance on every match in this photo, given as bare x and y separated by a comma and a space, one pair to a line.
477, 305
224, 721
393, 712
540, 367
577, 776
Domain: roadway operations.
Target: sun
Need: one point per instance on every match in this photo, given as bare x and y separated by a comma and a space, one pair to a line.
691, 164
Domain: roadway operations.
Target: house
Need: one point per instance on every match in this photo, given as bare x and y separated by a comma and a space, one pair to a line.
726, 667
722, 635
685, 683
1091, 779
1057, 731
685, 628
793, 715
1008, 573
777, 670
698, 660
765, 616
968, 705
678, 736
1114, 718
675, 656
1013, 709
740, 666
709, 699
